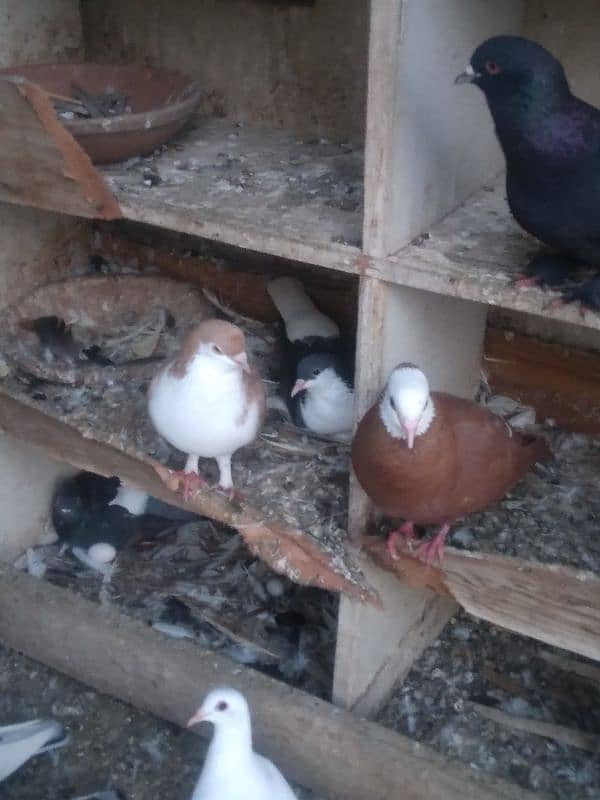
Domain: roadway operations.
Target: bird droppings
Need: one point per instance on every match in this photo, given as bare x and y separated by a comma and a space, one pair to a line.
218, 169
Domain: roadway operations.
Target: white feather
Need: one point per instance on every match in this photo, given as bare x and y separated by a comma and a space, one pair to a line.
232, 770
408, 389
301, 317
18, 743
328, 405
134, 500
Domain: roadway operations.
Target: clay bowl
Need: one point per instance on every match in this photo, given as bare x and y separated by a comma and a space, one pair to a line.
161, 102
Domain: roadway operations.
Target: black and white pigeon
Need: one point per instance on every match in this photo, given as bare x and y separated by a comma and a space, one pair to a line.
89, 509
20, 742
551, 141
317, 364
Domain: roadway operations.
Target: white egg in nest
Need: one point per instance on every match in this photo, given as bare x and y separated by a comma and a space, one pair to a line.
102, 553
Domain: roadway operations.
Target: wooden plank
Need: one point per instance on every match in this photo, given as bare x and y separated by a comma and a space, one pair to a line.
570, 737
561, 383
555, 604
254, 187
474, 253
239, 279
367, 381
411, 100
285, 549
338, 754
41, 164
264, 69
376, 650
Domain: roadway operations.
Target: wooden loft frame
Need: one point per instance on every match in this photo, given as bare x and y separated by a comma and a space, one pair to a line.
123, 657
412, 290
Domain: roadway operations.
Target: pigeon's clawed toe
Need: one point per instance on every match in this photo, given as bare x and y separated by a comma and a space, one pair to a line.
406, 531
189, 483
550, 270
434, 549
587, 294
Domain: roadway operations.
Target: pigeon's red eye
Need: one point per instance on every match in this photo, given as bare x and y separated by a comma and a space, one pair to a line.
492, 68
222, 706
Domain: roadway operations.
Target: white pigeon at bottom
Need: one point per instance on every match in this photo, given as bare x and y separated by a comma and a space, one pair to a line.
232, 770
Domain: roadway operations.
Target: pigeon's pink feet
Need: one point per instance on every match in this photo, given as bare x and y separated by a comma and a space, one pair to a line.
428, 551
189, 482
559, 302
406, 531
233, 494
524, 281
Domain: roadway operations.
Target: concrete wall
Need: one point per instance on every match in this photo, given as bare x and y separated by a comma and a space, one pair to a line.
295, 66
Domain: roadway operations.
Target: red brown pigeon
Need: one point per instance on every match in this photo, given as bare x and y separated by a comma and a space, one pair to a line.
432, 458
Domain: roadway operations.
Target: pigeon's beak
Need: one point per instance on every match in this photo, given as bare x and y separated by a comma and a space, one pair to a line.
241, 359
468, 76
199, 716
298, 387
410, 428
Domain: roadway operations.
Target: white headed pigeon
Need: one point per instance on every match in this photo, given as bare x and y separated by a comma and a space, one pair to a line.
232, 770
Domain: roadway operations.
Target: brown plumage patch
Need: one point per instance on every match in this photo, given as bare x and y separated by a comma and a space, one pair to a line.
255, 393
467, 459
227, 337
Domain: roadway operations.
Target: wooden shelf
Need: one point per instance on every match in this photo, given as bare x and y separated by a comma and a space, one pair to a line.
555, 603
253, 187
265, 190
474, 254
283, 198
111, 435
552, 603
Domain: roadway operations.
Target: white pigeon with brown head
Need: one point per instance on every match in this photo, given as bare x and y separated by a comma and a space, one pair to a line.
208, 402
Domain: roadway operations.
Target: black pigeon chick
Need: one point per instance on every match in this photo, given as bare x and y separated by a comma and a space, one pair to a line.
551, 141
88, 509
317, 364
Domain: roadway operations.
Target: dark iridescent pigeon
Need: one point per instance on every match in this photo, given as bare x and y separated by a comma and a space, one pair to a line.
551, 141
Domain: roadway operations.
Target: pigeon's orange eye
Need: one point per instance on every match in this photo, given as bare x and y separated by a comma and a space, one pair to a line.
222, 706
492, 68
